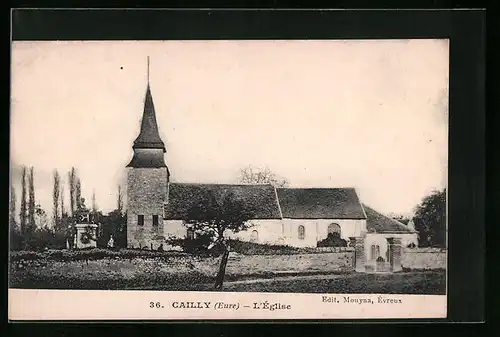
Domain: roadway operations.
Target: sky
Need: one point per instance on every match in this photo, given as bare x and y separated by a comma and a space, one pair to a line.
369, 114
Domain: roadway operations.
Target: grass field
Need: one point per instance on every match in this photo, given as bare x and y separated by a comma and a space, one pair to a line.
413, 282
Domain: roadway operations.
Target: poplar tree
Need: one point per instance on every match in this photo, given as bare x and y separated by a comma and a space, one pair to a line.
62, 200
78, 194
31, 201
55, 197
120, 199
71, 183
23, 211
12, 208
94, 204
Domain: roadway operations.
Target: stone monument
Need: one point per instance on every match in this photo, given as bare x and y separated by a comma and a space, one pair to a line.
86, 232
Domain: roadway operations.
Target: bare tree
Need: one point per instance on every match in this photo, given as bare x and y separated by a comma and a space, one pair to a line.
55, 197
252, 175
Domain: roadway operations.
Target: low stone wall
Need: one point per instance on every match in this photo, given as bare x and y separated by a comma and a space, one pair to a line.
315, 262
424, 258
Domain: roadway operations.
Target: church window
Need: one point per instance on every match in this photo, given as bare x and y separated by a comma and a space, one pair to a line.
333, 228
255, 236
140, 220
302, 232
155, 220
190, 234
375, 251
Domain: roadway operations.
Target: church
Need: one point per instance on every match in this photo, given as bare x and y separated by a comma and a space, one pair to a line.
297, 217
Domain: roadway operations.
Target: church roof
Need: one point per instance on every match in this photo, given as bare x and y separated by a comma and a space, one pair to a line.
378, 223
294, 203
149, 136
147, 159
320, 203
261, 198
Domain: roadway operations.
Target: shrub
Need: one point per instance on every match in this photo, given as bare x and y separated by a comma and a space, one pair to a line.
332, 240
200, 245
380, 259
87, 254
252, 248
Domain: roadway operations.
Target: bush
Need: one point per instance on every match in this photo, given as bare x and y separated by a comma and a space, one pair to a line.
200, 245
380, 259
332, 240
86, 254
252, 248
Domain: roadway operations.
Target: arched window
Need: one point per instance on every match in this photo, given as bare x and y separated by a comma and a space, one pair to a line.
302, 232
190, 234
334, 228
375, 251
255, 236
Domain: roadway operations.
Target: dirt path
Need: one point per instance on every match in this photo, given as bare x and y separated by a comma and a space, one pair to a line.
284, 278
288, 278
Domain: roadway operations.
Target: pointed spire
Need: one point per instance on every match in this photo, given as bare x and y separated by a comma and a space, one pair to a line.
149, 136
148, 71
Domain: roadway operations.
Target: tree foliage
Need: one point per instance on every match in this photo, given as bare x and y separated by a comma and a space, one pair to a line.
251, 175
15, 241
12, 208
120, 199
212, 216
430, 220
23, 210
78, 194
71, 183
216, 213
31, 202
56, 197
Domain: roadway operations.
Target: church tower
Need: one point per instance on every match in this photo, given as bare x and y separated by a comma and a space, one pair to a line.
147, 179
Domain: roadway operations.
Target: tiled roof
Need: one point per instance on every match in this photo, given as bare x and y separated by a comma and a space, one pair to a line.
320, 203
261, 198
379, 223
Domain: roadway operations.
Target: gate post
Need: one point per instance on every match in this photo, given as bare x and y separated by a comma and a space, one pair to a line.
395, 250
359, 254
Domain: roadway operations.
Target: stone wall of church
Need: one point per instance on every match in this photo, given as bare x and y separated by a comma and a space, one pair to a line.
262, 231
173, 229
284, 232
317, 229
146, 191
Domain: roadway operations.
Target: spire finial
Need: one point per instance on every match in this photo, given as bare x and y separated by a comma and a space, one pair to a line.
148, 70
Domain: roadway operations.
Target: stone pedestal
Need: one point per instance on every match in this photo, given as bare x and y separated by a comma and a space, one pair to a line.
395, 250
86, 236
359, 254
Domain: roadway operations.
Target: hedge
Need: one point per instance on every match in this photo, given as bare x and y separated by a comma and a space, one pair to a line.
88, 254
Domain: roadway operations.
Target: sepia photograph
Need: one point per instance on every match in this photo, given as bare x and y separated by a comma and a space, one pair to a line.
230, 166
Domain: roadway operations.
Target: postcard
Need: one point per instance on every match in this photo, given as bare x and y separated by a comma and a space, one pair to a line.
228, 179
